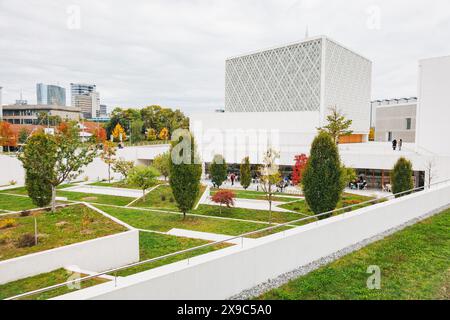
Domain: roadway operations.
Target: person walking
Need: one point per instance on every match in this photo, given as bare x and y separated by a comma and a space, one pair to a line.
394, 144
400, 145
232, 177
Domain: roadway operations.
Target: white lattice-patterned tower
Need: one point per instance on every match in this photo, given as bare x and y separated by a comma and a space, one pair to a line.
312, 75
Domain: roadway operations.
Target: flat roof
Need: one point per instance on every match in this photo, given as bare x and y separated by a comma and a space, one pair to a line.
309, 39
40, 107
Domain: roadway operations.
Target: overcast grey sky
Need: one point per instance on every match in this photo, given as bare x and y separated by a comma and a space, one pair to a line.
172, 52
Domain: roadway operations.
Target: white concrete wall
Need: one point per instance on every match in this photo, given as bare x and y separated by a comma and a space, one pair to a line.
94, 255
433, 111
222, 274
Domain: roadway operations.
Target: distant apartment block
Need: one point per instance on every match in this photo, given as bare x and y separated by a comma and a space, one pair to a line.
29, 114
50, 95
395, 119
308, 76
86, 98
103, 110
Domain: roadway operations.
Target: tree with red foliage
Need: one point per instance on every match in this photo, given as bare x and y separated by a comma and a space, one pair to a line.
7, 136
300, 165
224, 197
99, 135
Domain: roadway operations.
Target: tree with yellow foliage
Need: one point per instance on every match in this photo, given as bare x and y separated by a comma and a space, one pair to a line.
119, 132
164, 134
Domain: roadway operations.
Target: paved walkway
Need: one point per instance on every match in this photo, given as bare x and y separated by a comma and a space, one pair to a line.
207, 236
369, 193
110, 191
252, 204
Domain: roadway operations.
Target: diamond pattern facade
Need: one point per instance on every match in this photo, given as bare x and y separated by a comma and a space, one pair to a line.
281, 79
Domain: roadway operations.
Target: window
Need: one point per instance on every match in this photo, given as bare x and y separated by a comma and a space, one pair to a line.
408, 123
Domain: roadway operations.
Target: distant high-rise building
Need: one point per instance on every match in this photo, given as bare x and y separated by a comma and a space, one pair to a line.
103, 110
50, 95
85, 97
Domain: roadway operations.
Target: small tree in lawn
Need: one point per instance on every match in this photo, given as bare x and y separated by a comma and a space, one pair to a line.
401, 177
185, 171
108, 155
322, 177
269, 175
337, 125
162, 163
246, 177
123, 167
71, 155
224, 197
38, 160
300, 164
218, 170
144, 177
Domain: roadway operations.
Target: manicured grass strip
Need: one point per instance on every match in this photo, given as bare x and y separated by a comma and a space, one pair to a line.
414, 264
256, 195
163, 222
23, 190
154, 245
119, 184
95, 198
42, 281
160, 197
247, 214
66, 226
15, 203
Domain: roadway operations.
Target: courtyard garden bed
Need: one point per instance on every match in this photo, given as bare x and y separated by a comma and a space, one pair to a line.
414, 264
66, 226
42, 281
257, 195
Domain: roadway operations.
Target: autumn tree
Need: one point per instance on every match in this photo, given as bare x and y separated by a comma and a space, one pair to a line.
7, 137
99, 135
300, 164
245, 174
151, 134
224, 197
164, 134
337, 125
108, 155
119, 133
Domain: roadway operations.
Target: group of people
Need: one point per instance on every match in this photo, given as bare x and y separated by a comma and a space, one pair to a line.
358, 184
398, 144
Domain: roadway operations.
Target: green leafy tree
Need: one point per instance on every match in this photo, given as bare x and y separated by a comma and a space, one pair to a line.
269, 176
218, 170
162, 163
144, 177
71, 155
136, 130
38, 160
246, 177
401, 177
185, 171
23, 135
337, 125
123, 167
348, 175
322, 178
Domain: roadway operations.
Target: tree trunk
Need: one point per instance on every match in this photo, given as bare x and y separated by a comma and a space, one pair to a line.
53, 199
109, 173
143, 195
184, 215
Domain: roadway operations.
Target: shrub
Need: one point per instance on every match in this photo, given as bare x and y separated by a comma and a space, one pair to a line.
224, 197
26, 240
322, 177
7, 223
4, 239
401, 177
13, 182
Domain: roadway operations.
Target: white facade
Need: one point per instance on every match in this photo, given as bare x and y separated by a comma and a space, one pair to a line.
311, 75
433, 111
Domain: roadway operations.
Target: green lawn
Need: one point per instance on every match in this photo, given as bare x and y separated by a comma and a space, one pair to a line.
15, 203
247, 214
42, 281
163, 222
414, 263
119, 184
95, 198
66, 226
154, 245
160, 198
347, 200
256, 195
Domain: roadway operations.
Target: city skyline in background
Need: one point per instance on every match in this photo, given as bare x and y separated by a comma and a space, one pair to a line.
178, 60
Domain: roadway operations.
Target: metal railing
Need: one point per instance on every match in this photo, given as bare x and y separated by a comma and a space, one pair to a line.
228, 240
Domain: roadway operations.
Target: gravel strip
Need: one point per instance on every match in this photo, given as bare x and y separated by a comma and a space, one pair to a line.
303, 270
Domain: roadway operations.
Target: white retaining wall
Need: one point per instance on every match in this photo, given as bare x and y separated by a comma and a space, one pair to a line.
224, 273
94, 255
